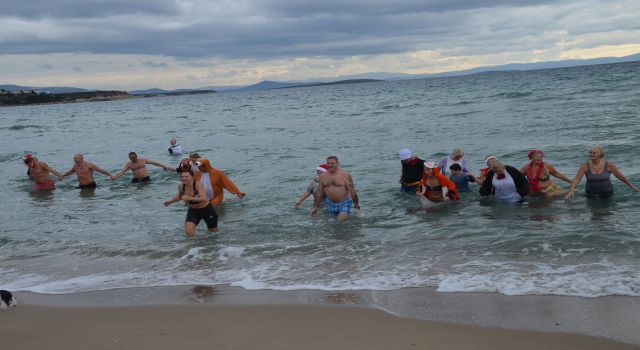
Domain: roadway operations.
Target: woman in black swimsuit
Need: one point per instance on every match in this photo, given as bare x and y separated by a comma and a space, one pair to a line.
193, 194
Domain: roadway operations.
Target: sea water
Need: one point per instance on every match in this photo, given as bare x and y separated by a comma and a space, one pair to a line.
269, 143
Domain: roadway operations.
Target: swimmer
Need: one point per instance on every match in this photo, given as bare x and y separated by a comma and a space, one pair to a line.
139, 169
84, 172
598, 172
192, 193
456, 157
435, 186
175, 148
488, 161
313, 185
39, 171
412, 168
215, 182
505, 183
539, 173
340, 192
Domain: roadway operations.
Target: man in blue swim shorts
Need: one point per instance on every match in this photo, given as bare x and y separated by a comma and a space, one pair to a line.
337, 185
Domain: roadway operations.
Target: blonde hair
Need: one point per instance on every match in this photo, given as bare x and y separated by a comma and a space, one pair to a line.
457, 152
598, 149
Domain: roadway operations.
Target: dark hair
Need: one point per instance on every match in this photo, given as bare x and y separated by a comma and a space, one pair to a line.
455, 166
194, 156
28, 160
133, 153
185, 170
333, 157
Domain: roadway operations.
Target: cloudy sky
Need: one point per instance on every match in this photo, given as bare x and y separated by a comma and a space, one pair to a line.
131, 44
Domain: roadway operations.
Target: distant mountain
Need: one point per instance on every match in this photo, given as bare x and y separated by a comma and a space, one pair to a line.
52, 89
266, 85
527, 66
157, 91
339, 82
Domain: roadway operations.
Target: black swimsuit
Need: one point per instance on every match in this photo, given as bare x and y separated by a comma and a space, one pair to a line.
208, 213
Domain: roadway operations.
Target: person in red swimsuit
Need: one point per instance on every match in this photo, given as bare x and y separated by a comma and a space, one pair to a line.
39, 171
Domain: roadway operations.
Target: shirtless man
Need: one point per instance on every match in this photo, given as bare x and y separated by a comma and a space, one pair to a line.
84, 172
337, 185
139, 169
39, 171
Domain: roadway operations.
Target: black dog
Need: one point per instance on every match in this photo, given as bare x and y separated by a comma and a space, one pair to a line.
7, 300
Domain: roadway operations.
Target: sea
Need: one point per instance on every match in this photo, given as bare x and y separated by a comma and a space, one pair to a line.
269, 143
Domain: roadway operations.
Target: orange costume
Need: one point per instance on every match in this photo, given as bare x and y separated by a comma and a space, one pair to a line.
218, 182
444, 182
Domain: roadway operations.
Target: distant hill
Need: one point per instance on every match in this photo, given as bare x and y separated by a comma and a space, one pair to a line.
51, 89
339, 82
37, 97
266, 85
156, 91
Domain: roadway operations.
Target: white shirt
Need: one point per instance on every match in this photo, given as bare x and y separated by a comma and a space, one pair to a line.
505, 189
177, 149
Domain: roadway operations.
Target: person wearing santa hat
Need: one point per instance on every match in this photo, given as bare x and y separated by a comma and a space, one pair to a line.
39, 171
313, 185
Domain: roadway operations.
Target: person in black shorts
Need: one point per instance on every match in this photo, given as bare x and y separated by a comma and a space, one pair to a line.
193, 194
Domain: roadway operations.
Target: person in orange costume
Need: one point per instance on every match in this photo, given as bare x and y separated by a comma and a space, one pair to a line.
215, 182
435, 186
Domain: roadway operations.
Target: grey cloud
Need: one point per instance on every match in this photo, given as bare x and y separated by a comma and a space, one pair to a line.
286, 28
77, 69
46, 66
151, 64
29, 9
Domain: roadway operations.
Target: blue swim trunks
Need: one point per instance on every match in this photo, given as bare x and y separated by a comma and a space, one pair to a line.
334, 209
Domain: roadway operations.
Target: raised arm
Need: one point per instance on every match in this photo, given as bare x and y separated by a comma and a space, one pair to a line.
576, 181
46, 167
67, 173
556, 173
354, 194
621, 177
152, 162
302, 198
122, 171
317, 197
100, 170
175, 198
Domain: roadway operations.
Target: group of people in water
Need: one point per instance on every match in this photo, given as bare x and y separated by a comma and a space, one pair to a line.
444, 181
202, 186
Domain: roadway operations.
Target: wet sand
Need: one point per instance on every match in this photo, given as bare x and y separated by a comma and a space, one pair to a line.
201, 317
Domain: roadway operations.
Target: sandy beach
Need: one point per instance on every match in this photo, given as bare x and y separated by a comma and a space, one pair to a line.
261, 327
205, 318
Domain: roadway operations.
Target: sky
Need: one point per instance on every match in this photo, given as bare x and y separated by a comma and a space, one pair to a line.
137, 44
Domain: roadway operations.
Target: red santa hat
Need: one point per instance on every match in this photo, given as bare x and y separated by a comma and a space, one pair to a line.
322, 168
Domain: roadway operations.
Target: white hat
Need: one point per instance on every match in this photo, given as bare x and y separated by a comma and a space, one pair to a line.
405, 154
488, 158
429, 165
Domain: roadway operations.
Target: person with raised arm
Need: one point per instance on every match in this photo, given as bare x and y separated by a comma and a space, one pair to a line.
84, 172
598, 172
139, 169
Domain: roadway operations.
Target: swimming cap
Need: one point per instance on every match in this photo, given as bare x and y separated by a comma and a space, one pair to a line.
322, 168
488, 158
405, 154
